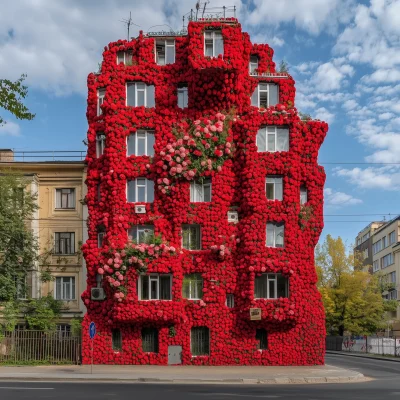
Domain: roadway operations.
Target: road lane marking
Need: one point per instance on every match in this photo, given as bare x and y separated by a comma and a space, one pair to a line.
264, 396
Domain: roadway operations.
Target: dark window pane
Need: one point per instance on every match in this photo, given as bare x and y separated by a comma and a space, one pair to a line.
200, 341
262, 339
150, 340
116, 340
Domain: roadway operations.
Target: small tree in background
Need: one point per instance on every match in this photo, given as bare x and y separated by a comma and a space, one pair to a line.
352, 297
11, 97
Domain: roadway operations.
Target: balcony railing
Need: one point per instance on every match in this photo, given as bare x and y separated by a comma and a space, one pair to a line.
269, 75
42, 156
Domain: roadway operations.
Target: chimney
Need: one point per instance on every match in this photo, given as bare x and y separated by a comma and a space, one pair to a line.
6, 155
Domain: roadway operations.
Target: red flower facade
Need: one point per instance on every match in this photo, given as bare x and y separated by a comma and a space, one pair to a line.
255, 301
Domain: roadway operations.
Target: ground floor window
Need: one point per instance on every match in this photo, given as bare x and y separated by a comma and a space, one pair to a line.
116, 340
150, 340
200, 341
262, 339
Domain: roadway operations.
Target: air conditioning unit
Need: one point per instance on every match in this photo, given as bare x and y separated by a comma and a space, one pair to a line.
233, 217
140, 209
98, 294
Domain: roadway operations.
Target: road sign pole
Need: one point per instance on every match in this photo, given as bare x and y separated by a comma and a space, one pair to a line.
92, 334
91, 367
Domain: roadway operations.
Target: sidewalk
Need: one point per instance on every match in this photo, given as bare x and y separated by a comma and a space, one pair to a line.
183, 374
363, 355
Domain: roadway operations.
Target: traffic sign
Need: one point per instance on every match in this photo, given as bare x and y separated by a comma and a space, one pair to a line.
92, 330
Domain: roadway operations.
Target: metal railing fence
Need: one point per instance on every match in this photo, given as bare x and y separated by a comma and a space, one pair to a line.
25, 346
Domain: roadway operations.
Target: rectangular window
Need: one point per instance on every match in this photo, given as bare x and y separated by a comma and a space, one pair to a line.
65, 198
100, 100
141, 233
200, 191
100, 238
191, 237
392, 277
139, 94
262, 339
150, 340
274, 187
392, 237
387, 260
377, 247
155, 287
365, 237
116, 339
273, 138
358, 241
165, 51
230, 300
392, 295
100, 143
253, 64
265, 95
376, 265
303, 194
270, 286
200, 341
183, 99
275, 234
192, 287
64, 243
384, 242
124, 57
141, 143
140, 190
65, 288
213, 43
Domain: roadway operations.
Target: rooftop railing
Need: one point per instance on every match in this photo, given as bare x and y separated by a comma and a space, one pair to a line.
42, 156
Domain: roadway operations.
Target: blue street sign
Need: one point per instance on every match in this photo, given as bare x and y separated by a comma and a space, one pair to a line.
92, 330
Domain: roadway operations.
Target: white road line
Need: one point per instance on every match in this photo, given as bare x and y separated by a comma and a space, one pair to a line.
23, 388
240, 395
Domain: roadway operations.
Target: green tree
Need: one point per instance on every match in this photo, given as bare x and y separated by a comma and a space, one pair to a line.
283, 67
11, 98
352, 296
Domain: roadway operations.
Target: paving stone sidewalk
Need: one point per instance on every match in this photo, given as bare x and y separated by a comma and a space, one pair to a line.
183, 374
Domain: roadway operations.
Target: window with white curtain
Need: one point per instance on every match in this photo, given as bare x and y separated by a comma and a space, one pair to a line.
65, 288
275, 234
64, 243
192, 287
155, 287
200, 191
273, 138
183, 99
165, 51
100, 100
191, 237
270, 286
213, 43
253, 64
100, 143
139, 94
303, 194
265, 95
274, 187
140, 233
141, 143
140, 190
65, 198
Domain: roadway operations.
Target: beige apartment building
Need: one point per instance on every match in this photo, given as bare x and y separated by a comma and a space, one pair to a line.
384, 245
60, 227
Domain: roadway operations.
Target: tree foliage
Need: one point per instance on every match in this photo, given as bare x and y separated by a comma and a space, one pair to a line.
11, 98
352, 296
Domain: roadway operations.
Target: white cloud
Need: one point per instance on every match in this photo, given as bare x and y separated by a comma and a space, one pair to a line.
10, 129
334, 198
383, 75
350, 105
306, 68
323, 114
330, 76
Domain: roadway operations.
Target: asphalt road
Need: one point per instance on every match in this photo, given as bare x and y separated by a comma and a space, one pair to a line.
385, 385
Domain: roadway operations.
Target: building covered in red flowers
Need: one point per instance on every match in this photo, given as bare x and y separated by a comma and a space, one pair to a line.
205, 203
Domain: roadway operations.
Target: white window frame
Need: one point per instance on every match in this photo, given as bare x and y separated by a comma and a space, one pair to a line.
271, 278
184, 90
128, 56
193, 292
72, 288
253, 65
59, 192
100, 143
198, 228
303, 194
164, 42
390, 258
100, 100
140, 184
275, 225
260, 90
146, 102
273, 180
384, 242
154, 278
137, 135
146, 230
274, 130
392, 237
377, 248
213, 32
197, 190
376, 266
72, 242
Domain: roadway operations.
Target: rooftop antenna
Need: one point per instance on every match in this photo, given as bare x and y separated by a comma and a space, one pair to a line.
204, 9
197, 8
128, 22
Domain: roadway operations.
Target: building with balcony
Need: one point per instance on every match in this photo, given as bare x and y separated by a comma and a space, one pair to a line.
205, 205
58, 224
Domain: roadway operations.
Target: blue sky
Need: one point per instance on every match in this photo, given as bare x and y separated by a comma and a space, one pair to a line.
343, 54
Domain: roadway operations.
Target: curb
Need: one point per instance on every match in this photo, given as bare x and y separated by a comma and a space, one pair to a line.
244, 381
360, 355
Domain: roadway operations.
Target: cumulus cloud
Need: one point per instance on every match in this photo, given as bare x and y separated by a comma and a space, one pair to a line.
330, 76
323, 114
335, 198
10, 129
